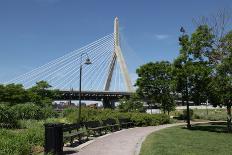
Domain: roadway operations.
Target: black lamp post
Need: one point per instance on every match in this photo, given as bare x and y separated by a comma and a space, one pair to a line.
87, 62
182, 30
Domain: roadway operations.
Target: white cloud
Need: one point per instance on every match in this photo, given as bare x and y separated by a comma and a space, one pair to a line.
162, 36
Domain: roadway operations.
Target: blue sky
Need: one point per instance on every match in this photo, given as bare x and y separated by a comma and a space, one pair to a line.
33, 32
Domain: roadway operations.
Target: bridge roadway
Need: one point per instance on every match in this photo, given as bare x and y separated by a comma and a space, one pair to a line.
107, 97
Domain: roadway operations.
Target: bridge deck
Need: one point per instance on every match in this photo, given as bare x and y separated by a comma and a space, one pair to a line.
93, 95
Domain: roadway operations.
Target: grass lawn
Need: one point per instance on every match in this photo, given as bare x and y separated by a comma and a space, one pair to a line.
204, 139
203, 114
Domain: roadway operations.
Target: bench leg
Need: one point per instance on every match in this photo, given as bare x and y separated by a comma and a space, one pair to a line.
71, 141
80, 138
87, 135
100, 132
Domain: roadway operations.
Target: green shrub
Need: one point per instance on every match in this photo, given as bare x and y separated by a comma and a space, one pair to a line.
7, 116
48, 112
67, 111
32, 111
184, 115
22, 141
27, 124
210, 114
18, 143
27, 111
140, 119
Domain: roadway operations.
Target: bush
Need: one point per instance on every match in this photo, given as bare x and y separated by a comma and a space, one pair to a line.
27, 111
184, 115
20, 142
48, 112
32, 111
7, 116
13, 144
212, 114
140, 119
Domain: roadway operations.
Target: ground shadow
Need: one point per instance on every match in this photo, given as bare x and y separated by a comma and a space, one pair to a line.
69, 152
219, 127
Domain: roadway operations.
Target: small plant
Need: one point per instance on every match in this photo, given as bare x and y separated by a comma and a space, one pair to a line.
184, 115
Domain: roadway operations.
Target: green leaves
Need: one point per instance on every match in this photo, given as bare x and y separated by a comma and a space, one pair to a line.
133, 104
155, 83
39, 94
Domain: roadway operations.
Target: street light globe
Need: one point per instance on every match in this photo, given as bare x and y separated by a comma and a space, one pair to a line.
88, 62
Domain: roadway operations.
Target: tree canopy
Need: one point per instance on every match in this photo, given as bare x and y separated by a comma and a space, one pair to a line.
155, 84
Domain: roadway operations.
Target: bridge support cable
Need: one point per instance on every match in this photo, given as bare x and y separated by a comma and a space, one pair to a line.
98, 72
60, 68
73, 78
65, 57
46, 69
87, 71
102, 75
107, 72
70, 68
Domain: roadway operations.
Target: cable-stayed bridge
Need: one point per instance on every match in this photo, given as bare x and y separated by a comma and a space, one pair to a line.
106, 78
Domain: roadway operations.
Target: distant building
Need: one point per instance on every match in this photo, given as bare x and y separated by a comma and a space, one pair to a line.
93, 105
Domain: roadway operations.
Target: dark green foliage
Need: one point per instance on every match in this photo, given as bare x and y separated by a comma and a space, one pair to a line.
27, 111
133, 104
21, 142
32, 111
192, 68
7, 116
184, 115
9, 146
155, 84
13, 94
39, 94
140, 119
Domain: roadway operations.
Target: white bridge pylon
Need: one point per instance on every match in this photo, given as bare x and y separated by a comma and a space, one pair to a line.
108, 71
118, 56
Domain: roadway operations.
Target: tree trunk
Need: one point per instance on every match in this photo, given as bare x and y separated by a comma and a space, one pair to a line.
187, 104
229, 117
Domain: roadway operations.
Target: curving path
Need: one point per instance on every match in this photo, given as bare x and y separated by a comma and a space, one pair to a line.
124, 142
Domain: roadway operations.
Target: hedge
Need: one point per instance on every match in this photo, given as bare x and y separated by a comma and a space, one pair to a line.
9, 115
139, 119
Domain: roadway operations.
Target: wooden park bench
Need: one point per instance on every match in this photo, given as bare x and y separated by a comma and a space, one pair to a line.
72, 131
111, 124
125, 123
95, 127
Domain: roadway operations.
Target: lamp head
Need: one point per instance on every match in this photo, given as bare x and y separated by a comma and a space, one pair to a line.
88, 62
182, 30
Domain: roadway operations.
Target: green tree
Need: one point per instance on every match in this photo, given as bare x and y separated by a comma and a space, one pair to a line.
224, 76
40, 94
13, 94
155, 84
2, 91
131, 105
220, 86
192, 68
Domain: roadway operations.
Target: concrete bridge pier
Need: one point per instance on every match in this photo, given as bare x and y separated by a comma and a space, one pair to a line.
107, 103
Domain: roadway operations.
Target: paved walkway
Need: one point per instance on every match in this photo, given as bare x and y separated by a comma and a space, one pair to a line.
124, 142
